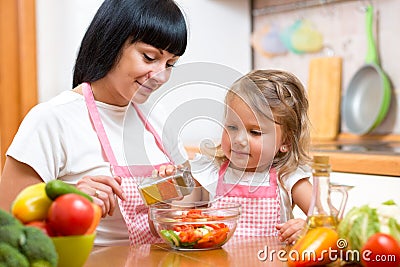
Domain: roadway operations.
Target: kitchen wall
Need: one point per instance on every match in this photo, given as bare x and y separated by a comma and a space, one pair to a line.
343, 29
220, 34
219, 31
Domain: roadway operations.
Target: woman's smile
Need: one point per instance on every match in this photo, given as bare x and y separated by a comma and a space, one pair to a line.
145, 89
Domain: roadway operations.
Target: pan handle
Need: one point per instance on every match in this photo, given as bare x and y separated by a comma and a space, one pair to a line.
372, 57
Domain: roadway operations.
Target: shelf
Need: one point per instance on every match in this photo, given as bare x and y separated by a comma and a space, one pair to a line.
264, 7
375, 154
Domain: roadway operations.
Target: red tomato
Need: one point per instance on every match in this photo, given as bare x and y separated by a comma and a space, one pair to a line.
70, 214
42, 225
381, 250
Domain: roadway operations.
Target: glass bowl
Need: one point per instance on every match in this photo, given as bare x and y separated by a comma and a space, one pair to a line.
197, 225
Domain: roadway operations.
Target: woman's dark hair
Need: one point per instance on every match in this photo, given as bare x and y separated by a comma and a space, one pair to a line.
159, 23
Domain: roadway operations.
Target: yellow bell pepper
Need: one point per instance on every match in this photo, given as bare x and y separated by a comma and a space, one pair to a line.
31, 204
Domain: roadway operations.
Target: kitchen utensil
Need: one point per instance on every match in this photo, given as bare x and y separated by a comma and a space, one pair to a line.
196, 225
306, 38
324, 92
267, 41
367, 98
286, 36
301, 37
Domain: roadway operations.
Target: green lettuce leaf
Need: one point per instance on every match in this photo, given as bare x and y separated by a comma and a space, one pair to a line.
394, 228
358, 225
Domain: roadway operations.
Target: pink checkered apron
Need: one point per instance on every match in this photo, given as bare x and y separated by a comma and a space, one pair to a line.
260, 204
133, 210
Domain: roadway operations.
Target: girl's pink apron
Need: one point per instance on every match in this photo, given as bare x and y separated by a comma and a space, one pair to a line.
260, 204
133, 210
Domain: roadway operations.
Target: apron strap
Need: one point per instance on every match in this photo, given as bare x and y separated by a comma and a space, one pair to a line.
101, 133
151, 129
223, 168
98, 125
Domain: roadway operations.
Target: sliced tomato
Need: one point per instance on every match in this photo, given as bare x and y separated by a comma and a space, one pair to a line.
190, 236
194, 213
183, 227
213, 238
221, 235
196, 235
217, 225
215, 218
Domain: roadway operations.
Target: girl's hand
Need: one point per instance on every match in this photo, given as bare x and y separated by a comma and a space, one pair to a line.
168, 170
103, 190
290, 231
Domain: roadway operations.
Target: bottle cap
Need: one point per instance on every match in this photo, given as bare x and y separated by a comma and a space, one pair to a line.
321, 159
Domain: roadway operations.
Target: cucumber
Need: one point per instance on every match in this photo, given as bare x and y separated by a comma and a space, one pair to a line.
170, 236
56, 188
188, 244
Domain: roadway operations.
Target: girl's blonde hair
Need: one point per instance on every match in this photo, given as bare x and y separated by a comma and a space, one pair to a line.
283, 94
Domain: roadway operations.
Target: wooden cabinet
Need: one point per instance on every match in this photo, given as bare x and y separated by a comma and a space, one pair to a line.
18, 77
275, 3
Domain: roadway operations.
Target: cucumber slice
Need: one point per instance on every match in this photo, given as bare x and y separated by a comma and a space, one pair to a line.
188, 244
170, 236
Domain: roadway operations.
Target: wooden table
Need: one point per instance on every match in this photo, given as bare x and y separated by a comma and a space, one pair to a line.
239, 251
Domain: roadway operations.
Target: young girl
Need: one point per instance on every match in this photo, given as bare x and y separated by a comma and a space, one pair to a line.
262, 159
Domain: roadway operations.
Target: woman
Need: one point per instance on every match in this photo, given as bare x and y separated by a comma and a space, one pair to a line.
80, 135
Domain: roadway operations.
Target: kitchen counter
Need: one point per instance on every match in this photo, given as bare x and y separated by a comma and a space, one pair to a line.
239, 251
378, 155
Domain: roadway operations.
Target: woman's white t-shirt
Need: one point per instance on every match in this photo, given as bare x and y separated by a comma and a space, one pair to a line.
205, 170
58, 141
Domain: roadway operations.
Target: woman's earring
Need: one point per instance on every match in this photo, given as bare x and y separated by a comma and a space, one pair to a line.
283, 149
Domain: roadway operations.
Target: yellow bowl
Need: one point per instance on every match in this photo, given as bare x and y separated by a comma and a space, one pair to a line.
73, 251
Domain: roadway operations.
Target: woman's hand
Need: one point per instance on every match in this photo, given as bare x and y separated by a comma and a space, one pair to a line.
104, 190
290, 231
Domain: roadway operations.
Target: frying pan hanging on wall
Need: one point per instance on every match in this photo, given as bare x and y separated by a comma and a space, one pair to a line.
367, 98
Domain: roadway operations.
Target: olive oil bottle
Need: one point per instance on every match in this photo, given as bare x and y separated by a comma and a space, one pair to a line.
321, 212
